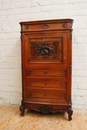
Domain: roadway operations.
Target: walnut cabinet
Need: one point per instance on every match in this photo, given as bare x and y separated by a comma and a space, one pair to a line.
46, 48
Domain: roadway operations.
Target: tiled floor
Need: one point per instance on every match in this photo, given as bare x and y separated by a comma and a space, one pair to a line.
10, 119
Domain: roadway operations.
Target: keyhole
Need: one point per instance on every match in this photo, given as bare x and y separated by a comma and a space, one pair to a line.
44, 37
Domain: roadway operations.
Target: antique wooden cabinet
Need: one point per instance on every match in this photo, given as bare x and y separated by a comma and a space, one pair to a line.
46, 66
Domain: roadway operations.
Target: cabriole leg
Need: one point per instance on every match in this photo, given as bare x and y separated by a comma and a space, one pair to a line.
22, 109
70, 112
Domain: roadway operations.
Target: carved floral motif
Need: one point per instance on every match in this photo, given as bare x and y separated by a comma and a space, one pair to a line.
45, 109
26, 27
45, 26
44, 50
67, 25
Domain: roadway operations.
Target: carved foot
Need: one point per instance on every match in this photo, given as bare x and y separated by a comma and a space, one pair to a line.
70, 112
22, 109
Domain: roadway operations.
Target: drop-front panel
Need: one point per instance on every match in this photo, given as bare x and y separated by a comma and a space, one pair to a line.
46, 66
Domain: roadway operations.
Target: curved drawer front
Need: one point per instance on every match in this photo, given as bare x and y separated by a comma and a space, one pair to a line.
46, 84
46, 26
42, 26
46, 73
44, 94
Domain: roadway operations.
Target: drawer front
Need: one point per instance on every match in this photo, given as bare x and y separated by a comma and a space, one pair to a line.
46, 94
45, 26
46, 84
45, 73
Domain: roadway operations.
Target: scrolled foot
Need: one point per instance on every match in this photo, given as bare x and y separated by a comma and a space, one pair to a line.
70, 112
22, 109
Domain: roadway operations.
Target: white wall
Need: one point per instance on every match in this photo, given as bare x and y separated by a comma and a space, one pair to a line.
14, 11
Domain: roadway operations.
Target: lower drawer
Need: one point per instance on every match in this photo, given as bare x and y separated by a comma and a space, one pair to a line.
45, 95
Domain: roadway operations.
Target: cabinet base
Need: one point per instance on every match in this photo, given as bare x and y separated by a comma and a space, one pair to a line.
46, 109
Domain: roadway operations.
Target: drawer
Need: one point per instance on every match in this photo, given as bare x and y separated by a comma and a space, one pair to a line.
46, 25
46, 94
46, 84
46, 73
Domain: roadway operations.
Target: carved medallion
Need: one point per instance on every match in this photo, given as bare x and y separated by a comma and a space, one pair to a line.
26, 27
44, 50
67, 25
45, 26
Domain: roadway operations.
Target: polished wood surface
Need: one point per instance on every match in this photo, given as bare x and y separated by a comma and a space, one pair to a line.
46, 65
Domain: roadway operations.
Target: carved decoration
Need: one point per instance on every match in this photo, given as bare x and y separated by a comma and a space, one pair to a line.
71, 36
44, 26
44, 50
70, 25
45, 109
67, 25
55, 43
26, 27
